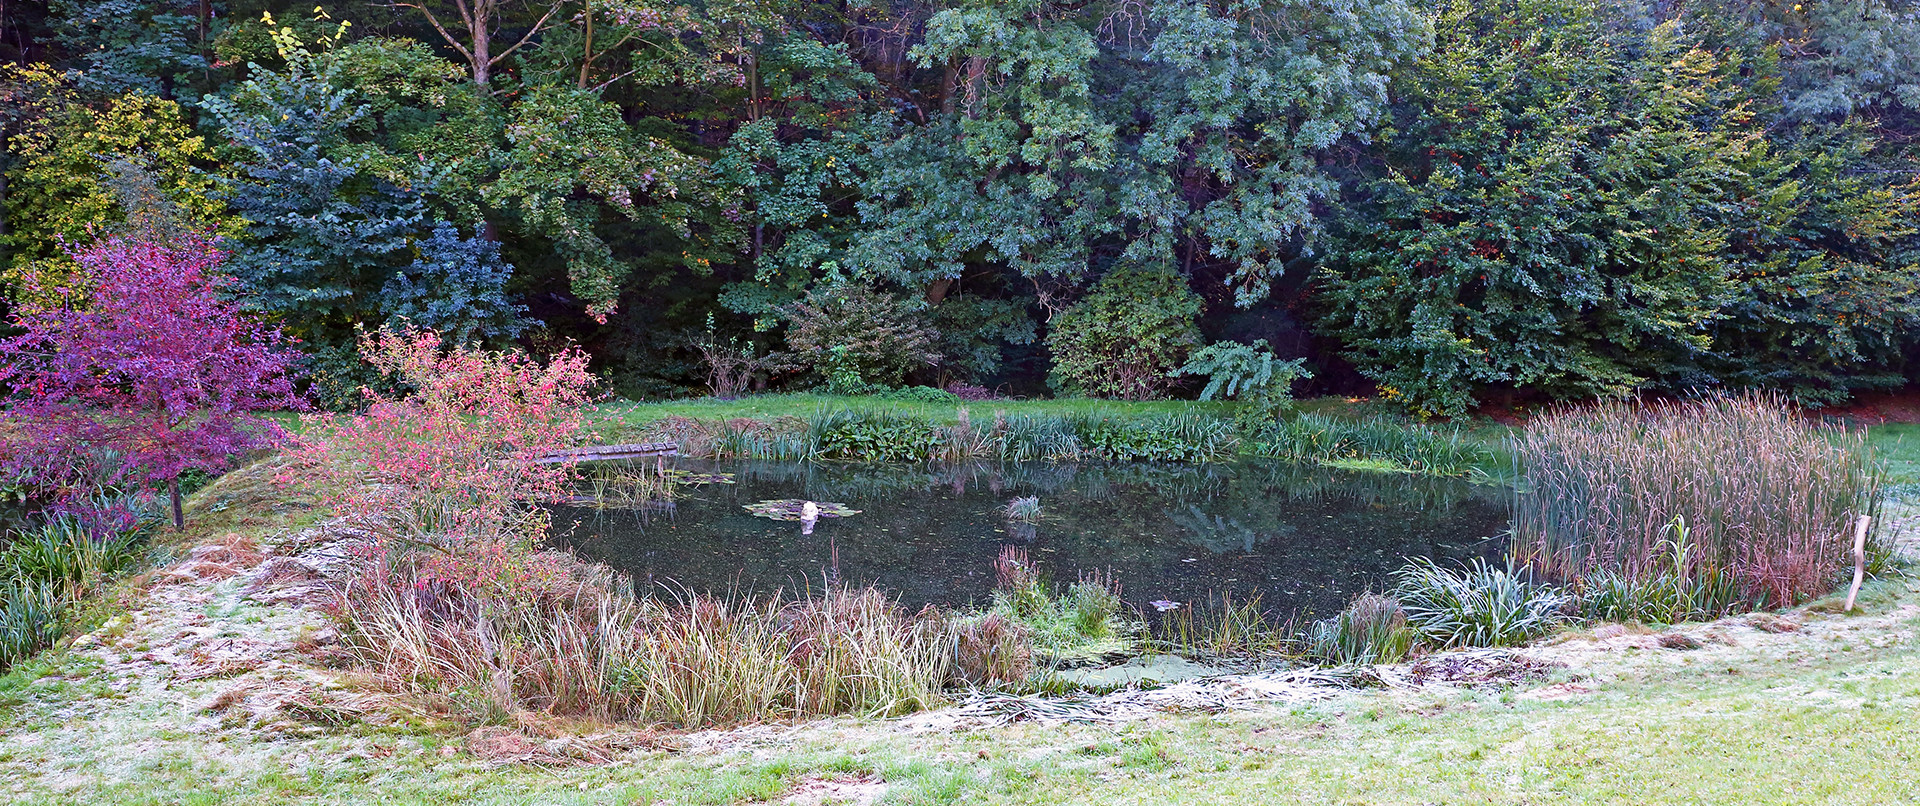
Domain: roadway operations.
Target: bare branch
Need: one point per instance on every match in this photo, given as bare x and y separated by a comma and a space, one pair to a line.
438, 27
537, 28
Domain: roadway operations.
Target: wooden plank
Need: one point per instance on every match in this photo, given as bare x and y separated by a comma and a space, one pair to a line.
593, 453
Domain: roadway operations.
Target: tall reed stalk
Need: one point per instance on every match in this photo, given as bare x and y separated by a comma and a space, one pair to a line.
1767, 496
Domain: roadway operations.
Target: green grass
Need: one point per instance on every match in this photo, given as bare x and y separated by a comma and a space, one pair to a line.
1898, 446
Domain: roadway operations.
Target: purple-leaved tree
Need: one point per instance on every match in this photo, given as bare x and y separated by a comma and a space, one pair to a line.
138, 356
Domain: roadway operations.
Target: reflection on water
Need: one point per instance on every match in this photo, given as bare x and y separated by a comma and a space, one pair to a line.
1304, 538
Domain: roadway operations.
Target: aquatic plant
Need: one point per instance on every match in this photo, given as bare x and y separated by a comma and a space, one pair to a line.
1677, 593
1220, 628
1768, 497
870, 435
1025, 509
1160, 438
1478, 605
1079, 625
1353, 443
793, 509
1372, 629
1032, 438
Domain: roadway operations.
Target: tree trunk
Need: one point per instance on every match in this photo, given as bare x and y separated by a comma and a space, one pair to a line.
173, 491
482, 32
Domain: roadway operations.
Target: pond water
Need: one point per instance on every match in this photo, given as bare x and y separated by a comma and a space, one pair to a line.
1305, 539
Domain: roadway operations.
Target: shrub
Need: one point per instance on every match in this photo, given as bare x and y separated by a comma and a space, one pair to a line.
1126, 338
1766, 498
1251, 374
1479, 605
456, 467
860, 340
145, 355
1373, 629
732, 362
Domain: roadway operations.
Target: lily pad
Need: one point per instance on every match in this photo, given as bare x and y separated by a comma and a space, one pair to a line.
788, 509
689, 477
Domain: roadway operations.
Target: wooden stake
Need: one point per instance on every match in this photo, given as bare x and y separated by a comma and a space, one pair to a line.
1859, 560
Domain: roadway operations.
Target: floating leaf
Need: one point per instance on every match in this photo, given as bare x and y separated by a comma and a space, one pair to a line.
788, 509
690, 477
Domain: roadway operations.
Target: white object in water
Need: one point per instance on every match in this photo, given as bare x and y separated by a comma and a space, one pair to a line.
809, 515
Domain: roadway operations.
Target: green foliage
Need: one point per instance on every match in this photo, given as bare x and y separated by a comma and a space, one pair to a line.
1585, 207
1249, 373
339, 243
146, 46
870, 435
1165, 133
1125, 339
860, 340
44, 570
1079, 625
66, 184
1479, 605
1402, 446
1161, 438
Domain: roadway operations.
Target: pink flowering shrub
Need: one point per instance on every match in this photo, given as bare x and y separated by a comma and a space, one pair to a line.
456, 465
138, 367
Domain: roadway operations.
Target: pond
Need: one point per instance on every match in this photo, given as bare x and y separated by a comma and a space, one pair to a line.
1304, 539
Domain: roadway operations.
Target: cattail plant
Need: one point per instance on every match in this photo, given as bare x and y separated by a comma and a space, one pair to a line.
1767, 497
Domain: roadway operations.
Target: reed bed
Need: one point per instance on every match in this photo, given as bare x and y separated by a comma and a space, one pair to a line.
1767, 498
591, 647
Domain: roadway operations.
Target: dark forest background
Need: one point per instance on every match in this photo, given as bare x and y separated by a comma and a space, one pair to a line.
1444, 203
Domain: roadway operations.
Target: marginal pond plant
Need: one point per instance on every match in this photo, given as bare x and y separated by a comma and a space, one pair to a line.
1373, 629
1025, 509
1718, 491
1372, 443
1477, 605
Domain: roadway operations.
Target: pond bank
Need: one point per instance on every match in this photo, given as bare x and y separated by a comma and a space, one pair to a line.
205, 686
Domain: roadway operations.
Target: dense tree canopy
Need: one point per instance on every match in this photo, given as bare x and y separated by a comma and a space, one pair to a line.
1561, 198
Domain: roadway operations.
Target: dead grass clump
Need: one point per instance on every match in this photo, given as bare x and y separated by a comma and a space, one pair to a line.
588, 647
1771, 623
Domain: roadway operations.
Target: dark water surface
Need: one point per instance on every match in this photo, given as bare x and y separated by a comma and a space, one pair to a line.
1306, 539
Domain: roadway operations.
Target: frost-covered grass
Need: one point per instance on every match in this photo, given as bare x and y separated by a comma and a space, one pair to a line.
1819, 717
